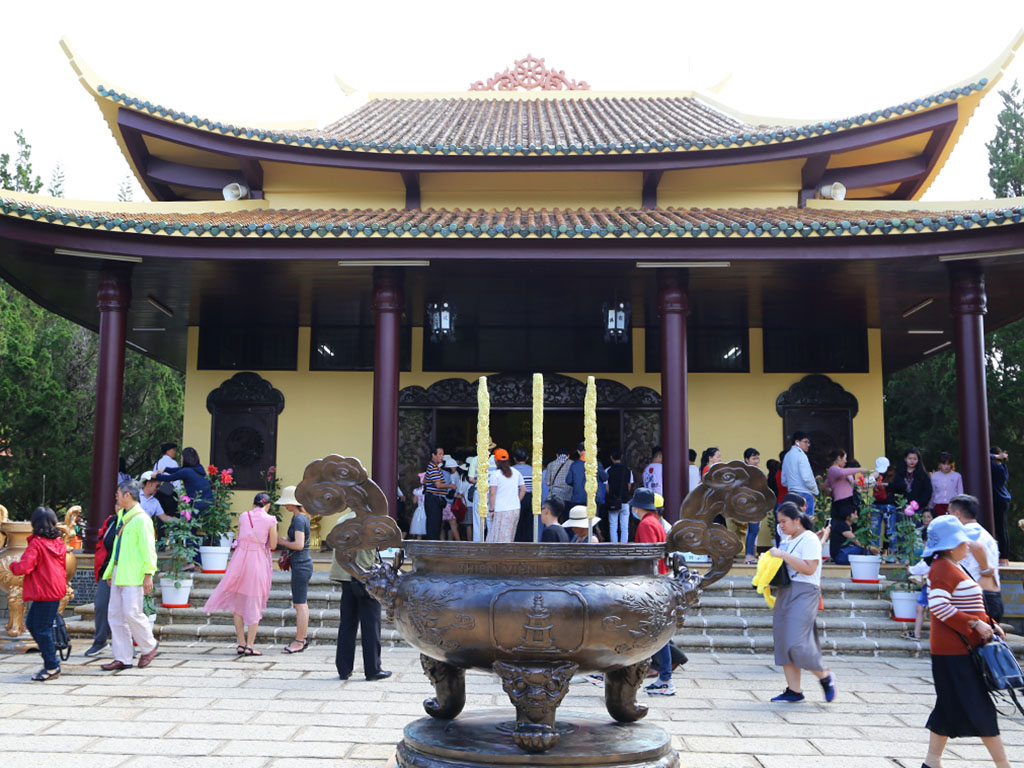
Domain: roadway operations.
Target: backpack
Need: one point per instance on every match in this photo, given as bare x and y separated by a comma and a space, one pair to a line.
61, 639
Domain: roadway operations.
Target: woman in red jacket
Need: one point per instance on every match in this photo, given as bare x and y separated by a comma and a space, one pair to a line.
45, 583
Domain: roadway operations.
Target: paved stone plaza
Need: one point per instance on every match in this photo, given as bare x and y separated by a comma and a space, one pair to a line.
197, 705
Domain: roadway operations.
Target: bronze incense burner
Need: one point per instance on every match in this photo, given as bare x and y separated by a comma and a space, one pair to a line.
534, 614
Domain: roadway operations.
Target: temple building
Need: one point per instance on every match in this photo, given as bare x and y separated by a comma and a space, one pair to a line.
729, 279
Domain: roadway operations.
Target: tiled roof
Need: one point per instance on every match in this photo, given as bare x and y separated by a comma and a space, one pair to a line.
519, 223
539, 126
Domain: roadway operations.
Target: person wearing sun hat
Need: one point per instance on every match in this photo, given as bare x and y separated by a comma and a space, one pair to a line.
959, 622
578, 524
505, 497
301, 565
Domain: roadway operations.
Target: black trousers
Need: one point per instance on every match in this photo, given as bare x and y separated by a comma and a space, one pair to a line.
993, 605
358, 609
434, 506
1000, 508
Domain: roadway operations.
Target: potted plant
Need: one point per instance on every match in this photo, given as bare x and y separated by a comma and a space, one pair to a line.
903, 591
864, 568
273, 483
215, 522
179, 541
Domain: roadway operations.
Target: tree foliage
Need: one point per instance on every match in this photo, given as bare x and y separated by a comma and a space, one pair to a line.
921, 410
19, 179
1006, 150
48, 392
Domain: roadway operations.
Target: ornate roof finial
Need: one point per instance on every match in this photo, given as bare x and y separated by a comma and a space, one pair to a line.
529, 73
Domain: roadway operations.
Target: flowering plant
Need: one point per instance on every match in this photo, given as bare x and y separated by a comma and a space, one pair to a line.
215, 519
908, 546
179, 539
273, 483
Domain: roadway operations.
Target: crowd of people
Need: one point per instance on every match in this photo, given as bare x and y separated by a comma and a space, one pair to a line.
960, 558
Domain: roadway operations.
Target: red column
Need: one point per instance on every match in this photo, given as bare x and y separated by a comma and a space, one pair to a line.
113, 298
387, 310
967, 305
673, 307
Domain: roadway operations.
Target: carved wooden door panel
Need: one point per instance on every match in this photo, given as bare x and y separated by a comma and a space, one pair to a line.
829, 429
243, 430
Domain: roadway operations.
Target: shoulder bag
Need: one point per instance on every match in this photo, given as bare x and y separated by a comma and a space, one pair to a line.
999, 670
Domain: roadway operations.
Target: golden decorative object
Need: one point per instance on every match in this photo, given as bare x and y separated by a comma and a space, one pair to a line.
483, 444
538, 445
315, 540
590, 446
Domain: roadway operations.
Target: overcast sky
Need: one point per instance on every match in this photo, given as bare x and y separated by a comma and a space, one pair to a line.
239, 62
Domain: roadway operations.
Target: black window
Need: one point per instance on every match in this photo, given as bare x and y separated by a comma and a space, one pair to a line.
249, 348
708, 350
512, 349
816, 350
351, 348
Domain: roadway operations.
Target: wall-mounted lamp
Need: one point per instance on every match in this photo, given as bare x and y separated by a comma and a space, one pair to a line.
441, 321
833, 191
235, 191
616, 322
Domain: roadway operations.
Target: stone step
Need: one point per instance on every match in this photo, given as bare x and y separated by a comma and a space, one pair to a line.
754, 603
725, 641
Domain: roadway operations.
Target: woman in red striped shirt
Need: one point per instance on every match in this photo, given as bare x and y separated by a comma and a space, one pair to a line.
962, 704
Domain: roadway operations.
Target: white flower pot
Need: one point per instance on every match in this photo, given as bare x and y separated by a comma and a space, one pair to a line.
864, 568
227, 538
904, 606
174, 592
214, 559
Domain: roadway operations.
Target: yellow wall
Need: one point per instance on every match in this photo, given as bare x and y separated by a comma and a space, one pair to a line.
308, 186
531, 190
759, 185
330, 411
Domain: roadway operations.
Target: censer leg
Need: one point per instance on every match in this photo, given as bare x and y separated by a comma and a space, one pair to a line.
620, 688
535, 689
449, 688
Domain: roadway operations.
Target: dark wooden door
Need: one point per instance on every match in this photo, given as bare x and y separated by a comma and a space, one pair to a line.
829, 428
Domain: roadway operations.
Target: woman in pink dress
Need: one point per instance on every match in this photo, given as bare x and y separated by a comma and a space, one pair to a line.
245, 586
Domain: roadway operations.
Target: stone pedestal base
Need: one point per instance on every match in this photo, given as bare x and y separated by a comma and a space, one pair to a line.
485, 740
21, 644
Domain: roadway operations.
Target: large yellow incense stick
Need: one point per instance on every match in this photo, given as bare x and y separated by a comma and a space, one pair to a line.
538, 447
590, 445
483, 444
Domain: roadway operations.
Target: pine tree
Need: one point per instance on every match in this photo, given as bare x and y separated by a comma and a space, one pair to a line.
56, 188
1006, 150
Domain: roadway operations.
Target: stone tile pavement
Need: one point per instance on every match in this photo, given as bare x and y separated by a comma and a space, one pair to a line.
198, 705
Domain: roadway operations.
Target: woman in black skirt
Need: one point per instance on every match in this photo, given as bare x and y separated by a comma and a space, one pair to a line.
963, 706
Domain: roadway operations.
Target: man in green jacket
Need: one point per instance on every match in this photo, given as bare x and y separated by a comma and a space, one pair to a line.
358, 609
130, 576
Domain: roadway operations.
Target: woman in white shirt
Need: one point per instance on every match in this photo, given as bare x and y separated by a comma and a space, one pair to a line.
793, 630
506, 493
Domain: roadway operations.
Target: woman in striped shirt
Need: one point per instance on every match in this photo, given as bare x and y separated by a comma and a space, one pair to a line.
962, 705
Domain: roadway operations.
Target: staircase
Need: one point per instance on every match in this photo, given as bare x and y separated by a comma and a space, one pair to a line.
731, 617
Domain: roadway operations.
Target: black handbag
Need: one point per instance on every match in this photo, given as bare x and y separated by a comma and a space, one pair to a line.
781, 577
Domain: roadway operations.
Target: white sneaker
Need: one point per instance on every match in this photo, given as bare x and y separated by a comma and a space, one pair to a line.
661, 688
597, 680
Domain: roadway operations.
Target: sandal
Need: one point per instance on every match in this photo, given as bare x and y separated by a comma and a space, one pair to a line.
288, 648
240, 649
908, 635
250, 651
44, 674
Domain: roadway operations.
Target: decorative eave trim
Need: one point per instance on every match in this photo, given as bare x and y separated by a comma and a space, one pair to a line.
747, 139
577, 224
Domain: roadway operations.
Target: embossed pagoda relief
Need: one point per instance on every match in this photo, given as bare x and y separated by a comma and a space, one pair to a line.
529, 73
820, 407
243, 431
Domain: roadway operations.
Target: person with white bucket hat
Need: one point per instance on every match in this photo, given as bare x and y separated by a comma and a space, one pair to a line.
300, 563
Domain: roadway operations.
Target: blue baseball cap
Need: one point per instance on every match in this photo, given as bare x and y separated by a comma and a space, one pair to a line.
945, 532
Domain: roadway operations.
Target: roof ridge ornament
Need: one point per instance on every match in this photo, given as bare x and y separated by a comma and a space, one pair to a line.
530, 73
